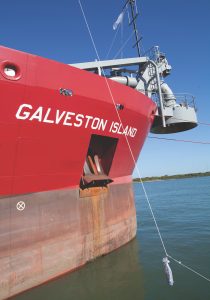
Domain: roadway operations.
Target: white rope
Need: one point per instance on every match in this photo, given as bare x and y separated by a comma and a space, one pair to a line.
190, 269
121, 25
112, 43
136, 7
129, 20
151, 210
123, 46
131, 152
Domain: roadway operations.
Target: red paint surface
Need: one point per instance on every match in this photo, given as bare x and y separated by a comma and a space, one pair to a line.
61, 227
37, 156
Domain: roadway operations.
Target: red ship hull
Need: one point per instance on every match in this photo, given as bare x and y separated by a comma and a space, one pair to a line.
45, 138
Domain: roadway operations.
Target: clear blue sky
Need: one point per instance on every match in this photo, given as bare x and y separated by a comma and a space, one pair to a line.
56, 30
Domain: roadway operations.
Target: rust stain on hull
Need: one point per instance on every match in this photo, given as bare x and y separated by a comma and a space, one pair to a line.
59, 231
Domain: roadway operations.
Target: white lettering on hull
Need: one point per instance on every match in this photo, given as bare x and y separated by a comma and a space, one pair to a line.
67, 118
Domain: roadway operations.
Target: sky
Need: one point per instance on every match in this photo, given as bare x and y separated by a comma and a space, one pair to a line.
56, 30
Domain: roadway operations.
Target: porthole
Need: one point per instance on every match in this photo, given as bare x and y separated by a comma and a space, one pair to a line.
10, 70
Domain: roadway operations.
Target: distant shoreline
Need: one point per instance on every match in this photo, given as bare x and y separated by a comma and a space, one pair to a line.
168, 177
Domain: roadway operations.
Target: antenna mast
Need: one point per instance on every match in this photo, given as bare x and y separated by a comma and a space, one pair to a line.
134, 15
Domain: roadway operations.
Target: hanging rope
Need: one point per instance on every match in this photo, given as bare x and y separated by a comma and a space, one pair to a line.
113, 41
124, 45
121, 40
131, 152
119, 118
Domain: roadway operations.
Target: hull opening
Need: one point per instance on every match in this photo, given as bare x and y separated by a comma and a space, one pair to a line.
98, 162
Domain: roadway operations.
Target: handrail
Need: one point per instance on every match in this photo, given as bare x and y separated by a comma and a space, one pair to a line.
183, 99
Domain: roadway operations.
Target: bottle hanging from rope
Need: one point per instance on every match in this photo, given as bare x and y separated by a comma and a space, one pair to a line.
168, 271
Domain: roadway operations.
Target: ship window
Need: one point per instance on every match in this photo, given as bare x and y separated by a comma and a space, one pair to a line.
10, 71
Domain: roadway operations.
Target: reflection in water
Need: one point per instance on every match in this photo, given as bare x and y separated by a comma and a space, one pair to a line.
115, 276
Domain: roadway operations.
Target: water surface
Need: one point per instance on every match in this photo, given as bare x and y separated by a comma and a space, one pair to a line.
182, 209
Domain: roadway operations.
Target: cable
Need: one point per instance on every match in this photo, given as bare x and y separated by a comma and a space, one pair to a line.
119, 118
178, 140
145, 192
203, 123
112, 43
123, 46
190, 269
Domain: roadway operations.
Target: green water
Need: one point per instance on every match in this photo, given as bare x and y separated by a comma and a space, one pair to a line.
182, 209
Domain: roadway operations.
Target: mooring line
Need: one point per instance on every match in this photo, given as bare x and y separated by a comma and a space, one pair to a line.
131, 152
123, 46
179, 140
112, 43
190, 269
119, 118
